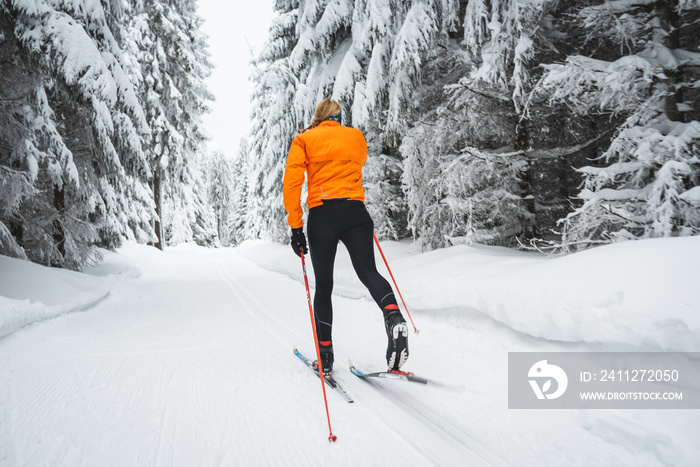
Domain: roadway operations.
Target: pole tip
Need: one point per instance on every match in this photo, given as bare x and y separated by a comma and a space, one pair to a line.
332, 438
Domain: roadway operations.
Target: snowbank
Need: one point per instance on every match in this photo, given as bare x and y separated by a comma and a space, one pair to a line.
30, 292
642, 293
639, 293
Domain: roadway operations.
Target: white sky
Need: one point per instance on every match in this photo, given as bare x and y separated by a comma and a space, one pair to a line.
234, 28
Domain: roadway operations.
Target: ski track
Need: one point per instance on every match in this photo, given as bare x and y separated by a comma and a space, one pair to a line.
409, 425
441, 441
192, 364
272, 324
457, 436
435, 445
279, 329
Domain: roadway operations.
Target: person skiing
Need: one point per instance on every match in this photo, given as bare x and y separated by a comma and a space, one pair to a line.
332, 156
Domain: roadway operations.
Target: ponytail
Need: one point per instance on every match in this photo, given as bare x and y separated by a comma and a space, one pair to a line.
324, 109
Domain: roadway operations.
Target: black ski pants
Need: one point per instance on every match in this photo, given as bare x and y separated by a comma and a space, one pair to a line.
349, 222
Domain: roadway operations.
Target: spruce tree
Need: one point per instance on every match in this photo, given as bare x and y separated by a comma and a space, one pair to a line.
219, 181
86, 123
645, 183
174, 63
98, 100
367, 54
238, 211
275, 121
468, 160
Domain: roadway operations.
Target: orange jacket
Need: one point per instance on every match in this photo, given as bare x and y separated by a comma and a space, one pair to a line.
332, 155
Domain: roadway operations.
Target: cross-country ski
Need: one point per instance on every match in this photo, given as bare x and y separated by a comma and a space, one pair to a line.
399, 375
402, 376
330, 381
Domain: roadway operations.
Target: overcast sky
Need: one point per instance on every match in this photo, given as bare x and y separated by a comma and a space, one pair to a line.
234, 28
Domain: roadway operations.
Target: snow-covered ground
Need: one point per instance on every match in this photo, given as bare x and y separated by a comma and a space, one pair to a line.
184, 358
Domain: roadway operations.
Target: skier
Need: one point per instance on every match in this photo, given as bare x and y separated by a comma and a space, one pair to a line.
332, 156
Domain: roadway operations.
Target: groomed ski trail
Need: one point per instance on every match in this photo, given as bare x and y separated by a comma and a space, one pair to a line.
190, 364
402, 437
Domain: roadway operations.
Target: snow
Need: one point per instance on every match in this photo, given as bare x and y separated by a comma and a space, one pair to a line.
692, 195
184, 357
30, 293
349, 72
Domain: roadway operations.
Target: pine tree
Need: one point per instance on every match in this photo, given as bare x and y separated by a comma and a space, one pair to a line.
366, 54
18, 166
220, 180
645, 182
98, 99
84, 119
174, 63
468, 160
275, 121
239, 195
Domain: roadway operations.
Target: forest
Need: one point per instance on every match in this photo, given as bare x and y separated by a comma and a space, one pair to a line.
100, 127
549, 124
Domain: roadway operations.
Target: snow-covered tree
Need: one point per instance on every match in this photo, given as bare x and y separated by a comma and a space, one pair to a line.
219, 181
274, 123
465, 192
367, 55
468, 159
82, 151
238, 211
18, 166
174, 63
645, 183
77, 124
382, 181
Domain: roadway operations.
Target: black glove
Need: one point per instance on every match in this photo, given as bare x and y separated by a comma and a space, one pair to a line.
299, 241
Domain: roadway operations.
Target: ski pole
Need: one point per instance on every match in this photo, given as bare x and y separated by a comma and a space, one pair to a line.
331, 436
415, 329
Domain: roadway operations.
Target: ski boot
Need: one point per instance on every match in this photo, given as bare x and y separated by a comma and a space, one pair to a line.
326, 358
397, 333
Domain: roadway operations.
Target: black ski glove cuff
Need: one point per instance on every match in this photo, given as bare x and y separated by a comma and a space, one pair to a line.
299, 241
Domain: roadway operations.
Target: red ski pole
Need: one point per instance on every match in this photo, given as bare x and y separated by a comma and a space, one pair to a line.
415, 329
331, 436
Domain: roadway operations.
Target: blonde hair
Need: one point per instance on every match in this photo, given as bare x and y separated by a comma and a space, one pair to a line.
324, 109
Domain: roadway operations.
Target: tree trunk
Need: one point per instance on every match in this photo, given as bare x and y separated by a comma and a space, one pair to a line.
16, 226
59, 234
158, 198
522, 143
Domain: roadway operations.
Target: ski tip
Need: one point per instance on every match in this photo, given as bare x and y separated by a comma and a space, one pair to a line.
352, 367
354, 370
